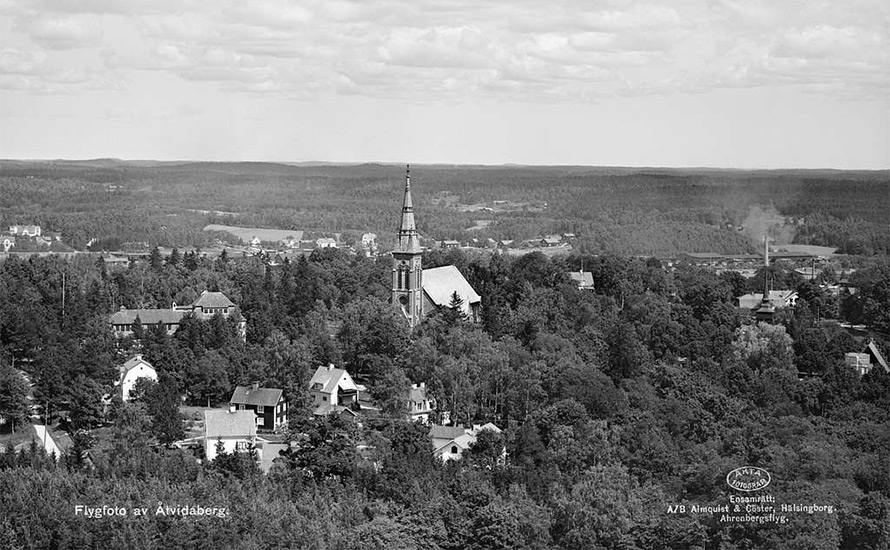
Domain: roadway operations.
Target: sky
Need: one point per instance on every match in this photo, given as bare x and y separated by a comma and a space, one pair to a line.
687, 83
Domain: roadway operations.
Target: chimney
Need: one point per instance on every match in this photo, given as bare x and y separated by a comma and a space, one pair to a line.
422, 385
330, 367
413, 386
255, 386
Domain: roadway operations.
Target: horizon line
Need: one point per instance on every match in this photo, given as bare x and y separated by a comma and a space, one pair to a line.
438, 163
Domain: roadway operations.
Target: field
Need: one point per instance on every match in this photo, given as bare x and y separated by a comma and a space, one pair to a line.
248, 233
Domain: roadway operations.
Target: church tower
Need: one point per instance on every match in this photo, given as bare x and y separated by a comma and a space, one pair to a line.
407, 283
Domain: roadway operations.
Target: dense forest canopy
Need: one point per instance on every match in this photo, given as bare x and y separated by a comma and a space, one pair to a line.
621, 408
616, 405
613, 210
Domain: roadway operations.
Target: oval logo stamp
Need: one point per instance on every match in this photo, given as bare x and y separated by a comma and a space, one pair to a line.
748, 478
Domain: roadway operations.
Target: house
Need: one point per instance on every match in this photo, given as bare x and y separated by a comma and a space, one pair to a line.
860, 362
236, 430
131, 371
292, 241
778, 299
325, 242
417, 292
584, 279
449, 244
450, 442
369, 240
25, 230
420, 403
7, 242
332, 390
55, 443
255, 242
569, 236
268, 404
551, 240
204, 308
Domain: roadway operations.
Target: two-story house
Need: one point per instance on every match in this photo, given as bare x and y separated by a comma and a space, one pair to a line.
332, 389
420, 404
268, 404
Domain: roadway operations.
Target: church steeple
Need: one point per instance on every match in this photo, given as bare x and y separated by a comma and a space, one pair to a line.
407, 274
408, 241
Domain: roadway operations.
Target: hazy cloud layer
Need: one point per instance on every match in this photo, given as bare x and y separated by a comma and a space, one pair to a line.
432, 51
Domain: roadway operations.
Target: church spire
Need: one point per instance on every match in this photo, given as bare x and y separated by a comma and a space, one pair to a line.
408, 240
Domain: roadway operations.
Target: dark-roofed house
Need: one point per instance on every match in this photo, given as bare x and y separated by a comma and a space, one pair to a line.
268, 404
204, 308
440, 283
584, 279
235, 429
420, 404
332, 390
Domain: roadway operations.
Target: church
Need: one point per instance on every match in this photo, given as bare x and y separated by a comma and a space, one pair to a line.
417, 292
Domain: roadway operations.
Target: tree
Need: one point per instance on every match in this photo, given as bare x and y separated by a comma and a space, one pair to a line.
208, 381
14, 405
162, 403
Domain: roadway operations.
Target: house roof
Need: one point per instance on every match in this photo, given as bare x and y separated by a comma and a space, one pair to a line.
446, 432
62, 439
213, 299
876, 353
147, 316
328, 377
222, 423
134, 362
248, 395
439, 283
463, 441
583, 278
417, 395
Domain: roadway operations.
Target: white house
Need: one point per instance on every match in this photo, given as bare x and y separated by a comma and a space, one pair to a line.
450, 442
133, 370
332, 389
420, 404
235, 429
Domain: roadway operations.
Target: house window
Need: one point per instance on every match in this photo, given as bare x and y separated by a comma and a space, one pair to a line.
454, 449
324, 398
241, 446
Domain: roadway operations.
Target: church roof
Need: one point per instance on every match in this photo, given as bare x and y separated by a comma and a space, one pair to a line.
439, 283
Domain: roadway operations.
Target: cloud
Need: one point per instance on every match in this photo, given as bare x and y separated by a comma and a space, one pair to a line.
503, 49
62, 33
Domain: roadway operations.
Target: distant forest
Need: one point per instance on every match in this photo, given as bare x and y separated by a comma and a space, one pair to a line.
613, 210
